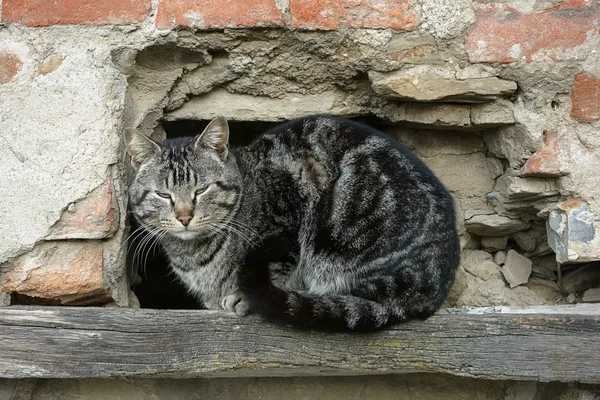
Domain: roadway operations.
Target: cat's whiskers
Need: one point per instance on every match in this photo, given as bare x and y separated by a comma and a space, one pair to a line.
241, 231
139, 250
152, 246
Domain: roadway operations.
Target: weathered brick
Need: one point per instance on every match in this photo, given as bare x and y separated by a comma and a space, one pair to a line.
586, 98
333, 14
93, 217
53, 12
64, 271
546, 162
503, 34
10, 65
215, 14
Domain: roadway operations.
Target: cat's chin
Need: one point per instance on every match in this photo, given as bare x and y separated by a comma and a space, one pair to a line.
185, 235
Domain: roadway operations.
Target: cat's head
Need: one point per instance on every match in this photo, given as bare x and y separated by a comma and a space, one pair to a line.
187, 187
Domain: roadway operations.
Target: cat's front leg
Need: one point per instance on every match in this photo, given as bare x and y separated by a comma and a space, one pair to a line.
237, 303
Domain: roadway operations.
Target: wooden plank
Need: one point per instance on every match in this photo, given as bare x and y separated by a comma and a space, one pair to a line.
546, 344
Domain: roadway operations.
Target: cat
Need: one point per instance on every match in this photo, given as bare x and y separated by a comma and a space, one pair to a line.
321, 223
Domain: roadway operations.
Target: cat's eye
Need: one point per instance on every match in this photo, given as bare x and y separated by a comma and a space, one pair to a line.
163, 195
201, 190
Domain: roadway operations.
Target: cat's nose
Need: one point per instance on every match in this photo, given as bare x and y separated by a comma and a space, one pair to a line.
184, 219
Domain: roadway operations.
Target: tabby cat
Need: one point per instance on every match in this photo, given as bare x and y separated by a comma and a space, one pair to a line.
321, 223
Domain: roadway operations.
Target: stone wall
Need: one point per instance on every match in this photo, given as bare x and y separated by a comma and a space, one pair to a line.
501, 100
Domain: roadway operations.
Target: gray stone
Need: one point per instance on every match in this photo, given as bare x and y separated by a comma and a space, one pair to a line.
473, 257
426, 115
500, 258
486, 270
544, 267
591, 296
571, 299
513, 187
243, 107
573, 232
480, 293
517, 269
494, 243
428, 85
549, 290
479, 263
494, 225
495, 166
457, 289
469, 242
533, 241
492, 115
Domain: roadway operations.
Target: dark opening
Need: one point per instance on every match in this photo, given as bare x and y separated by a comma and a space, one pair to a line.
153, 282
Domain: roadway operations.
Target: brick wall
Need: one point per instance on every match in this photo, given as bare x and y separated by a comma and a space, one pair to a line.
66, 67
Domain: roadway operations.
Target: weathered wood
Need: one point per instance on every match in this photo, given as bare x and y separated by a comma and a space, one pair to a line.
538, 343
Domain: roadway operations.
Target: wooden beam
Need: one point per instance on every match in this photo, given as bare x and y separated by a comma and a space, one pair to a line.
537, 343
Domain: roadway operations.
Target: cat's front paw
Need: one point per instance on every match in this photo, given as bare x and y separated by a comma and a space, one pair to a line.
236, 302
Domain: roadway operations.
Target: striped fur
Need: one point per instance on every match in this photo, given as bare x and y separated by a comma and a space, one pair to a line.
321, 223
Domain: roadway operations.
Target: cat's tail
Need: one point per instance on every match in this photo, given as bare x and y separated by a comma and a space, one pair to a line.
319, 312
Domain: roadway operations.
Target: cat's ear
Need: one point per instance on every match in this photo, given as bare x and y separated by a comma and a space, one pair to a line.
140, 147
215, 136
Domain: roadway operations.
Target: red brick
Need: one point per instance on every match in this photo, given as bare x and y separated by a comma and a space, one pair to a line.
215, 14
10, 65
53, 12
93, 217
586, 98
333, 14
503, 34
546, 162
66, 271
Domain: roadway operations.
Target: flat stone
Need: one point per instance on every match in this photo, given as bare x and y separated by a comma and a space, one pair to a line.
513, 187
494, 243
493, 115
517, 269
573, 232
494, 225
591, 296
243, 107
427, 85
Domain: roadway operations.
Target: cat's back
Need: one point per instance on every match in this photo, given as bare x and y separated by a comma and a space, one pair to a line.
338, 143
